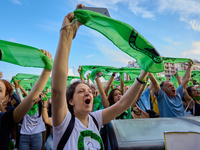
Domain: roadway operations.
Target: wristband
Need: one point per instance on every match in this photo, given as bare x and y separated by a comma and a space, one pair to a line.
142, 82
113, 75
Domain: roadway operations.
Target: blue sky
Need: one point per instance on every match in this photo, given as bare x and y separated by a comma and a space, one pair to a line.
171, 26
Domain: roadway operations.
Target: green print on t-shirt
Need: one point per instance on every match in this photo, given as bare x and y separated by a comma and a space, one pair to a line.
92, 135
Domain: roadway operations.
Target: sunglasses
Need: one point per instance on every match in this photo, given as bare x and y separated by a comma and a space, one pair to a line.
195, 90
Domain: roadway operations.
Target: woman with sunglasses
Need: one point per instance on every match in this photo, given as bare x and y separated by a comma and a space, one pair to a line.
192, 93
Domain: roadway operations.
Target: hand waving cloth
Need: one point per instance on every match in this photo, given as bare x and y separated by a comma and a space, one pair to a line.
24, 55
104, 69
22, 76
124, 37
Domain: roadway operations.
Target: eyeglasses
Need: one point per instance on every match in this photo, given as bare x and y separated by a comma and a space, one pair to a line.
195, 90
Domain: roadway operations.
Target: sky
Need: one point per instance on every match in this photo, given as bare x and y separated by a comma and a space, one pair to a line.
171, 26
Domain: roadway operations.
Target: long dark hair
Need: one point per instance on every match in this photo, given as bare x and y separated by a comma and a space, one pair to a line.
70, 93
111, 96
40, 108
189, 90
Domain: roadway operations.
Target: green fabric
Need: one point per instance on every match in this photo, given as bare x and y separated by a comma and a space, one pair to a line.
174, 81
194, 73
44, 98
181, 73
124, 37
122, 76
109, 91
126, 114
11, 145
107, 70
22, 76
97, 103
93, 74
28, 80
197, 79
104, 69
198, 98
33, 110
24, 55
48, 95
106, 77
27, 84
69, 79
190, 83
129, 114
175, 60
129, 83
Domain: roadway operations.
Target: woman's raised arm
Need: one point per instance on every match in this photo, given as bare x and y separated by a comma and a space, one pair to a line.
60, 69
22, 109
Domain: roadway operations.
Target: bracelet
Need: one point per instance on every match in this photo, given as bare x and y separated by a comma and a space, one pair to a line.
142, 82
44, 106
69, 25
113, 75
65, 26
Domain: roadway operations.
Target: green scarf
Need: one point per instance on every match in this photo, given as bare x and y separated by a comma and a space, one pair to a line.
197, 98
124, 37
33, 110
23, 55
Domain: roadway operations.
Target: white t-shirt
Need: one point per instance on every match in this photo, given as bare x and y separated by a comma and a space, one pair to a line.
81, 136
32, 124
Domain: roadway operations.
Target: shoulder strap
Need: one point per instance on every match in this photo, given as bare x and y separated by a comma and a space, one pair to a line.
67, 134
143, 104
188, 105
95, 121
194, 107
151, 103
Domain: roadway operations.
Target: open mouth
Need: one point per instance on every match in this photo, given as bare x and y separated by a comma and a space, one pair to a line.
87, 101
173, 91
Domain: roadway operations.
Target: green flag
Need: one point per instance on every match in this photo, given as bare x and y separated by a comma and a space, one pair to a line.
27, 81
175, 60
174, 81
104, 69
24, 55
124, 37
69, 79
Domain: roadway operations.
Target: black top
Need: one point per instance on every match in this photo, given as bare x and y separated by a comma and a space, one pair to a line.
197, 109
6, 127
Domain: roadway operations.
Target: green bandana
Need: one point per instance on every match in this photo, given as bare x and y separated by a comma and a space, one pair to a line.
33, 110
197, 98
93, 74
124, 37
23, 55
175, 60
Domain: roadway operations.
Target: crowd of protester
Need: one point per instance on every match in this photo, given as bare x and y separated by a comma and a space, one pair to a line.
77, 118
